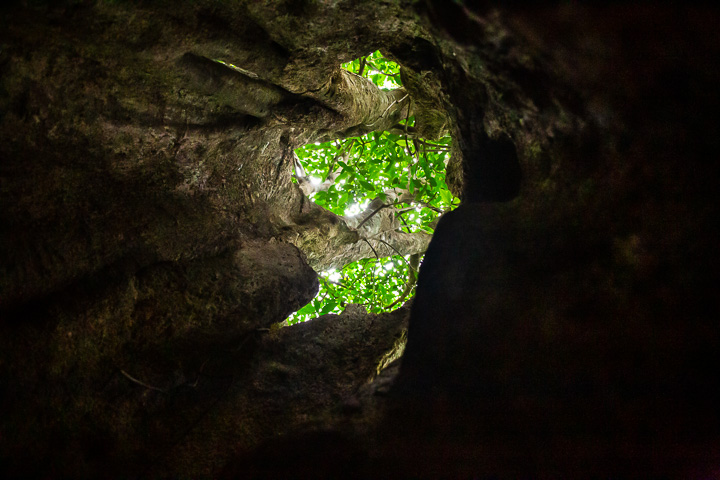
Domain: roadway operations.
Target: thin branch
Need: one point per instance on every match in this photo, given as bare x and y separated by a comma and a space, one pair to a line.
352, 284
371, 215
371, 248
430, 144
330, 288
339, 284
412, 157
399, 129
135, 380
344, 153
389, 230
411, 281
199, 374
376, 69
372, 271
361, 68
400, 211
406, 224
427, 205
407, 124
389, 245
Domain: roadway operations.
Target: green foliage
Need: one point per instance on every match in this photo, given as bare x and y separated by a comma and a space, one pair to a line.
370, 282
369, 167
382, 72
378, 162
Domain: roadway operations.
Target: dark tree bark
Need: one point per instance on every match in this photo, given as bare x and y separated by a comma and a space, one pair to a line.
151, 238
573, 329
147, 227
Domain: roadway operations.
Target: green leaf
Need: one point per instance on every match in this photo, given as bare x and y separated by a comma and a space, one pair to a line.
371, 164
320, 197
446, 196
328, 307
307, 309
367, 186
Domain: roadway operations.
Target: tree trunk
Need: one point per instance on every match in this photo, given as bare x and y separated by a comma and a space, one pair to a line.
147, 197
151, 238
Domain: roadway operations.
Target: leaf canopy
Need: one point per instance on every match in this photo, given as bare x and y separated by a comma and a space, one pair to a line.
374, 166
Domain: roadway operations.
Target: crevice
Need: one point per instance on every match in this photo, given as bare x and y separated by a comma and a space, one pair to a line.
492, 170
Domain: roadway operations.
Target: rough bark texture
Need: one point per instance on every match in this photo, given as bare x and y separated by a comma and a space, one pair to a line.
146, 167
566, 317
574, 329
372, 233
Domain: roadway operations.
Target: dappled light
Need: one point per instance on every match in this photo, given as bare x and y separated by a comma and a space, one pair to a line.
358, 177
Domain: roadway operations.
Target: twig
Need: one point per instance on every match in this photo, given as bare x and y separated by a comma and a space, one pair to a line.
395, 249
339, 284
371, 248
352, 284
411, 281
430, 144
372, 271
404, 210
239, 347
406, 224
407, 146
199, 374
427, 205
330, 288
133, 379
392, 75
361, 68
371, 215
407, 121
